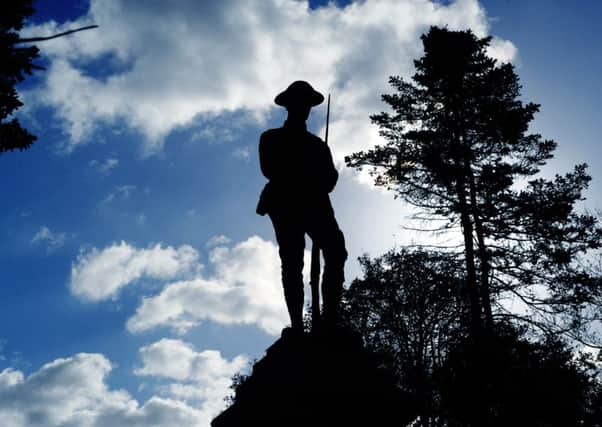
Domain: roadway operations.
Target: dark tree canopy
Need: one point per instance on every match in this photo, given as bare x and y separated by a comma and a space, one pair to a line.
524, 383
407, 307
407, 302
458, 146
15, 62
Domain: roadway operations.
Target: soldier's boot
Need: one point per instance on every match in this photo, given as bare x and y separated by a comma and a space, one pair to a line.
293, 295
333, 279
331, 292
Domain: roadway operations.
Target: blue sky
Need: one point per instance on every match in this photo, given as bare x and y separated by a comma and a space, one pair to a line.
146, 157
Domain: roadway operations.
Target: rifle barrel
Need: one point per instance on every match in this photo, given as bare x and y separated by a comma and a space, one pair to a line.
327, 119
314, 275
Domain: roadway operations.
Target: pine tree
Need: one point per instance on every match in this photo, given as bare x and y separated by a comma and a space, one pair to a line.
457, 146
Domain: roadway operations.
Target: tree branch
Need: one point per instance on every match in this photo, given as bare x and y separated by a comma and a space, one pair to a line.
41, 39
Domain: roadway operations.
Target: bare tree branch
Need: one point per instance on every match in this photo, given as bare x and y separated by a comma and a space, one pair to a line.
41, 39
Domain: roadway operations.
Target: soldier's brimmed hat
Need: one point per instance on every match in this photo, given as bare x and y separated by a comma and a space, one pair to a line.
299, 92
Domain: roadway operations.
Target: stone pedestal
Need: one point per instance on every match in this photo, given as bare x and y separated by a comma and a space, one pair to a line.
317, 380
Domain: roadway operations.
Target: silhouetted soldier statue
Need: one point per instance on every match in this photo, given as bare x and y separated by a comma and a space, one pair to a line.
301, 174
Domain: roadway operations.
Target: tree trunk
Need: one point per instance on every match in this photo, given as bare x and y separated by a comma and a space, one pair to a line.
483, 255
471, 276
478, 416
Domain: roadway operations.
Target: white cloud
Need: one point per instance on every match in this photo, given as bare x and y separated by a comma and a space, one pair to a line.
217, 240
141, 219
176, 62
53, 240
101, 274
121, 192
244, 288
201, 379
72, 392
177, 360
104, 167
242, 153
502, 50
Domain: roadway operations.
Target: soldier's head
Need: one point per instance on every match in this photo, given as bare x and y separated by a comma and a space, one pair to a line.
298, 99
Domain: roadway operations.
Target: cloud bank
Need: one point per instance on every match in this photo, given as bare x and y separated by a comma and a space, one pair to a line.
201, 379
166, 64
73, 392
243, 289
242, 284
100, 274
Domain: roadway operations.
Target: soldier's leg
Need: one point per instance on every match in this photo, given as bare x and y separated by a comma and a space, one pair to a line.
325, 231
291, 244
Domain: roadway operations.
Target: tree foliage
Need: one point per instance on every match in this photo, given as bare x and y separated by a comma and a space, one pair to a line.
15, 62
458, 146
408, 308
522, 383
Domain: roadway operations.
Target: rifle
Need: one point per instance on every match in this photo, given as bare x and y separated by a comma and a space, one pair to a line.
314, 272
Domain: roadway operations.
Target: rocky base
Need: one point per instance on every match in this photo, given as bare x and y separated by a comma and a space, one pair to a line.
317, 380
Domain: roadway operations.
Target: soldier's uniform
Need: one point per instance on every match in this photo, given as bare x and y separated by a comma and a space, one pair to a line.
301, 174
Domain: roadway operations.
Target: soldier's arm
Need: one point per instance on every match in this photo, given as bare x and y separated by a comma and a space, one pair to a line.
266, 162
331, 175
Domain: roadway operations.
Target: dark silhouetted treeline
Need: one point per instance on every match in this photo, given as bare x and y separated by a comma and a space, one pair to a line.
408, 308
